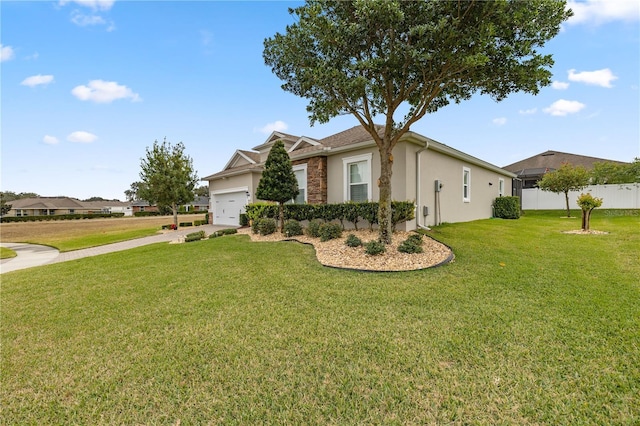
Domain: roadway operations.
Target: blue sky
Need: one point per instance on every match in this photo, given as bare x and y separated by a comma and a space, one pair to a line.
88, 85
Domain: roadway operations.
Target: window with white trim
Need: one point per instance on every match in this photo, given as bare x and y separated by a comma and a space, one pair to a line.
301, 176
501, 187
357, 178
466, 184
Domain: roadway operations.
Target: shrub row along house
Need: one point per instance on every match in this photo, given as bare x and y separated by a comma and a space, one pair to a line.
447, 185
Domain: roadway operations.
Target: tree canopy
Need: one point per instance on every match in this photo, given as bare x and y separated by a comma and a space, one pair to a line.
609, 172
567, 178
278, 182
372, 58
167, 176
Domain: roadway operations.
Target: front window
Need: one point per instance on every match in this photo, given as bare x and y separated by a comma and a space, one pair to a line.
301, 176
466, 184
501, 187
357, 172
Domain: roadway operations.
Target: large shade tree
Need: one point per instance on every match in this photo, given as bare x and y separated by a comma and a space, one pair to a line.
374, 58
167, 176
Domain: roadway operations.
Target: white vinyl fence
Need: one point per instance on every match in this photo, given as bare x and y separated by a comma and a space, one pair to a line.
619, 196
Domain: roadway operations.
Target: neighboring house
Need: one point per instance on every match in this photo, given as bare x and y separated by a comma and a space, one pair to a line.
531, 170
51, 206
143, 206
446, 184
199, 204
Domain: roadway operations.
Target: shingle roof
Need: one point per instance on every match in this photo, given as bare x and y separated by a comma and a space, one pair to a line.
47, 203
350, 136
553, 160
255, 156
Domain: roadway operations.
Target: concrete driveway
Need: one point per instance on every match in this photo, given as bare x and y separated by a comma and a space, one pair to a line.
30, 255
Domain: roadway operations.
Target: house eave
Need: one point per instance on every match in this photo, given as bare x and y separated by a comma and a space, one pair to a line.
452, 152
231, 173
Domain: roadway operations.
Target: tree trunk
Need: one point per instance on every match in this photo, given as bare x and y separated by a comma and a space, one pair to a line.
566, 198
281, 217
584, 220
587, 225
384, 206
174, 208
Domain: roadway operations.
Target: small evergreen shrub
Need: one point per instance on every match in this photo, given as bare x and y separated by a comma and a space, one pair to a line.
264, 226
416, 238
194, 236
330, 231
244, 219
353, 241
184, 224
292, 228
228, 231
374, 248
410, 246
506, 207
313, 230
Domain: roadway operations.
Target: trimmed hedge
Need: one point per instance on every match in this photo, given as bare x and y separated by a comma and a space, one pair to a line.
401, 211
185, 224
506, 207
194, 236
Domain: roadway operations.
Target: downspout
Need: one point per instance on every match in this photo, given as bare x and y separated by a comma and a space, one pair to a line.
418, 201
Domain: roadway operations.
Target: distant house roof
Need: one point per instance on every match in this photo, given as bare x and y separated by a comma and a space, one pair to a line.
67, 203
200, 201
552, 160
51, 203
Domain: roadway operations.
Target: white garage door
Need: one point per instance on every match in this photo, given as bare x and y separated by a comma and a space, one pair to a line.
227, 208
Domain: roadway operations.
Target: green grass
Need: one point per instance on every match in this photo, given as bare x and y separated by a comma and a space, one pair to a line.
527, 326
93, 240
7, 253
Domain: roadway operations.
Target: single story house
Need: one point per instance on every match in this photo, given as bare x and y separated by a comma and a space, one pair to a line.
51, 206
530, 170
199, 204
447, 185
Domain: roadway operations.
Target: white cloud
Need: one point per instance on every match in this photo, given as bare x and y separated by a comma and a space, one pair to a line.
602, 77
101, 91
37, 80
276, 126
50, 140
528, 111
81, 137
6, 53
560, 85
597, 12
500, 121
83, 20
562, 107
92, 4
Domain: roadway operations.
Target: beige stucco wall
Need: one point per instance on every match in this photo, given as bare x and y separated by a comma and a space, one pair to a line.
433, 165
246, 181
452, 208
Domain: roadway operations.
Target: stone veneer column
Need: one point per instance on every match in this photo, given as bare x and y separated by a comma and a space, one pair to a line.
316, 179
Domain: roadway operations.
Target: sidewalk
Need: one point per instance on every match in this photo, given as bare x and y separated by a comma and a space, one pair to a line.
30, 255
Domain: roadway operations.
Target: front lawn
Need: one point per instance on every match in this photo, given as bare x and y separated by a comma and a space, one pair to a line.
527, 326
6, 253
